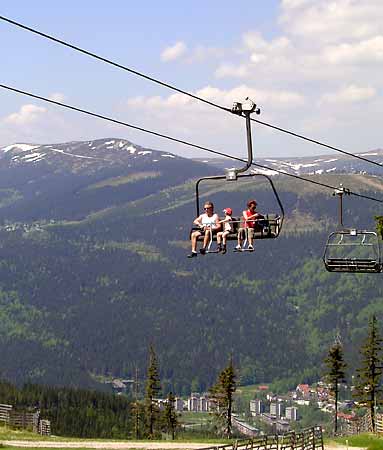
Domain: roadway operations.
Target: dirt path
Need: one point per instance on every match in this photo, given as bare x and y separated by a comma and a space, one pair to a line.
130, 445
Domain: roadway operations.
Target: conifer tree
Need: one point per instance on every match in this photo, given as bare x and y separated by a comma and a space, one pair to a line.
335, 374
151, 391
222, 396
170, 415
369, 374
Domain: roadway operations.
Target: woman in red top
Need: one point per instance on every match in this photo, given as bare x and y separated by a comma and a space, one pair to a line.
250, 219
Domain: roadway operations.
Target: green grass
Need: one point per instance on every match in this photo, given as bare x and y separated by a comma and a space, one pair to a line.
3, 446
247, 393
194, 417
118, 181
8, 434
369, 441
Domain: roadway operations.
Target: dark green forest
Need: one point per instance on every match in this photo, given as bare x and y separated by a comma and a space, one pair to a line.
84, 296
73, 412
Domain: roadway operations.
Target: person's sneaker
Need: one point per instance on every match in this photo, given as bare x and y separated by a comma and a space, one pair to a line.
202, 251
219, 248
223, 249
192, 255
238, 248
251, 248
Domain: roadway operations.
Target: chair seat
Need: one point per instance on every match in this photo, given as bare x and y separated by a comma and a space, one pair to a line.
269, 229
353, 265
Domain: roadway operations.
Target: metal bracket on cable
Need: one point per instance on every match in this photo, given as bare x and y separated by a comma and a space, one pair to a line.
244, 109
341, 190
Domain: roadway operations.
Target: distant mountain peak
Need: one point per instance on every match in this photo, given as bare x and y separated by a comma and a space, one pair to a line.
312, 165
18, 148
107, 150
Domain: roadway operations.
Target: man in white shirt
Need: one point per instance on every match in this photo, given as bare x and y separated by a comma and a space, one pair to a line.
208, 223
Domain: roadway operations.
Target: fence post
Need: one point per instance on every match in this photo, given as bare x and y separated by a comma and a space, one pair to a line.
293, 440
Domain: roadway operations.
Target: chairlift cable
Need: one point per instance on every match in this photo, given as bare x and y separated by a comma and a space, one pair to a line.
109, 61
170, 138
181, 91
314, 141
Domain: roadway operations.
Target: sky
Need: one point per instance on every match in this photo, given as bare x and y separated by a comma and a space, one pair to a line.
312, 66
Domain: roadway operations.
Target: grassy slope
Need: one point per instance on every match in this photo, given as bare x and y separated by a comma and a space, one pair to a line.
369, 441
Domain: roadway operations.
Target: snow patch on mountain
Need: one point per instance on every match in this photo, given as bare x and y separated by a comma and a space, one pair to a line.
144, 152
20, 147
32, 156
71, 154
367, 154
266, 172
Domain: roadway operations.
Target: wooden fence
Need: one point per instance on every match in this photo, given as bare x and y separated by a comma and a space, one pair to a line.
24, 419
309, 439
362, 424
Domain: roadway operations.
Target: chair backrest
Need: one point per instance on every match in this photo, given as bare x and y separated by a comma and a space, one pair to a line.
273, 223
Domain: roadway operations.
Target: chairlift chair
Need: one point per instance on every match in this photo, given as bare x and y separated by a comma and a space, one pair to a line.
349, 250
270, 225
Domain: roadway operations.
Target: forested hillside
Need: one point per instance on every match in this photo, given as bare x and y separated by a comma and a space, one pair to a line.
86, 295
73, 412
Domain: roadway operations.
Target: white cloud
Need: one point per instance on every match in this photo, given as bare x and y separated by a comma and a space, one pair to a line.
349, 94
174, 52
367, 51
26, 115
273, 98
255, 41
293, 4
332, 20
57, 97
232, 71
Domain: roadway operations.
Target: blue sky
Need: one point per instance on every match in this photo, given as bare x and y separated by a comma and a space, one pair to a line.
313, 67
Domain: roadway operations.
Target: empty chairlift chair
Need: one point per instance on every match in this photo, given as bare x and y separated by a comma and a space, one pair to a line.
354, 251
349, 250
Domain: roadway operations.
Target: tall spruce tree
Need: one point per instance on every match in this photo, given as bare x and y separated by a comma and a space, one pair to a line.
335, 374
170, 415
151, 391
222, 395
370, 372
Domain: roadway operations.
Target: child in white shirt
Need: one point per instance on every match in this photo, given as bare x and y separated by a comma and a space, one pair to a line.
227, 229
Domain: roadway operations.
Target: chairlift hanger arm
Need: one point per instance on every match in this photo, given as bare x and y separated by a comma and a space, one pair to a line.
244, 109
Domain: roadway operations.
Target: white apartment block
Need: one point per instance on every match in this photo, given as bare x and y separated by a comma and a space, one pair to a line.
179, 404
291, 413
256, 407
276, 409
193, 404
203, 404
